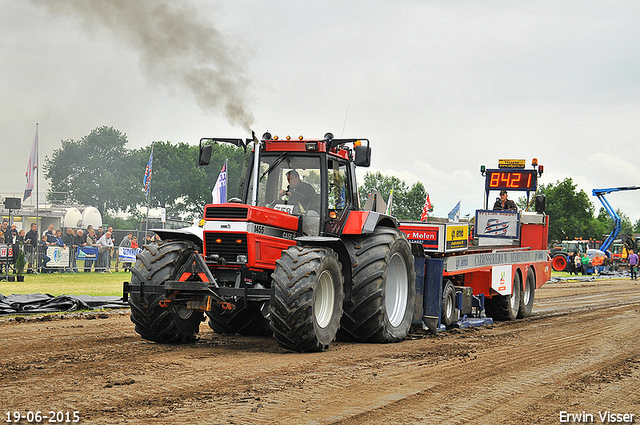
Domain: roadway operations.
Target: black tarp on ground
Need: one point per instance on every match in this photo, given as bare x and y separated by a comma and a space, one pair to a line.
45, 303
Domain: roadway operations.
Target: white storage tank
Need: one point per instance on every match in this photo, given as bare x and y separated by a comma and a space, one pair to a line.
91, 216
72, 218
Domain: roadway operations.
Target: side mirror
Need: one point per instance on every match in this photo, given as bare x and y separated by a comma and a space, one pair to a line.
363, 156
205, 155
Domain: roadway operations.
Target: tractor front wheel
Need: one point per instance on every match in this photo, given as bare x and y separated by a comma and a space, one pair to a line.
155, 265
306, 300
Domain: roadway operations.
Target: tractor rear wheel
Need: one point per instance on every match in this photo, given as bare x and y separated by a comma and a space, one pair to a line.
243, 320
505, 307
559, 262
306, 301
383, 292
528, 295
155, 265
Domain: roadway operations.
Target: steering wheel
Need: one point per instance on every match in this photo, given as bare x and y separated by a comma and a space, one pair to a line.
298, 197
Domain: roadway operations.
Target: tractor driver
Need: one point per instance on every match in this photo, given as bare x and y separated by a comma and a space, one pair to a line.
296, 188
502, 203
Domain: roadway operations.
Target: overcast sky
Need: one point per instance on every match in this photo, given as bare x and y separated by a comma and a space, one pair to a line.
438, 87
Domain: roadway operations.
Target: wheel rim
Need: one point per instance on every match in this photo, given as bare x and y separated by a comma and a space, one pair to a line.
396, 291
182, 311
514, 302
527, 291
324, 299
449, 305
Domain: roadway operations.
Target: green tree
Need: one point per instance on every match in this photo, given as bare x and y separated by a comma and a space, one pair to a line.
93, 171
99, 170
570, 211
410, 206
383, 184
180, 185
407, 202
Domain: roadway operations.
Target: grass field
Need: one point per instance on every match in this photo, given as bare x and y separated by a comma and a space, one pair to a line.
97, 284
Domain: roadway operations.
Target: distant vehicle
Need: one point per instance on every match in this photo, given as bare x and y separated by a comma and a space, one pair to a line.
560, 252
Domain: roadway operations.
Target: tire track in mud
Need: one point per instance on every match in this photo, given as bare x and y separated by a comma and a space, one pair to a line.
500, 391
514, 372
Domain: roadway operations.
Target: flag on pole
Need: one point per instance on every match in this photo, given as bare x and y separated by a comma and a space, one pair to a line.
31, 168
454, 215
390, 203
425, 209
146, 181
219, 191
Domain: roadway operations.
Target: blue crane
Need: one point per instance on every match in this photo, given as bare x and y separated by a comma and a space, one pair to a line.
612, 213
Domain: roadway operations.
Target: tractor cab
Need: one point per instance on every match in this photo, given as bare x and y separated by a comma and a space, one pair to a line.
313, 180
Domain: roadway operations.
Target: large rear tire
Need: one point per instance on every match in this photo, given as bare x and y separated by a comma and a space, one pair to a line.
156, 264
505, 307
527, 295
306, 301
383, 288
559, 263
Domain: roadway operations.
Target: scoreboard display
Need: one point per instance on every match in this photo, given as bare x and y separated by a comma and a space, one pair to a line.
511, 179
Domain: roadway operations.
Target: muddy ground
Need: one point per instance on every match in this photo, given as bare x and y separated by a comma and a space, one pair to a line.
578, 353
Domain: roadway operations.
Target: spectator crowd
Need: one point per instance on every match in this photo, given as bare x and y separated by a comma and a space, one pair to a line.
98, 259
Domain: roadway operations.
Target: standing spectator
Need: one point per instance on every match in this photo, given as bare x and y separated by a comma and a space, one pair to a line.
606, 264
571, 265
100, 232
597, 263
578, 263
4, 229
68, 241
79, 240
14, 233
125, 243
633, 264
105, 243
50, 234
112, 250
585, 264
134, 242
20, 237
90, 241
5, 238
43, 245
148, 240
30, 248
59, 241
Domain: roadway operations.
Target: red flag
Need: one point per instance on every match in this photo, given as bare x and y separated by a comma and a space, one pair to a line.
425, 209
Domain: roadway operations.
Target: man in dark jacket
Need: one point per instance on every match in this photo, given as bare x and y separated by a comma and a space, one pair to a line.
503, 203
30, 246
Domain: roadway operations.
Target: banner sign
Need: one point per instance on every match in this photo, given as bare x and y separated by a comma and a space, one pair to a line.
3, 252
501, 281
459, 263
128, 255
87, 252
59, 256
431, 236
457, 237
497, 224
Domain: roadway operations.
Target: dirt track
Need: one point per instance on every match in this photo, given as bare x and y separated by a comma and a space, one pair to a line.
579, 352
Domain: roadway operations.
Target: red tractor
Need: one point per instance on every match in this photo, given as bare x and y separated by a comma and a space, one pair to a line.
296, 256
